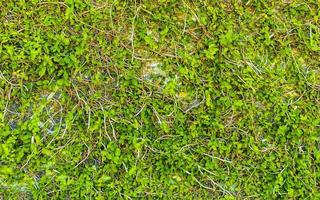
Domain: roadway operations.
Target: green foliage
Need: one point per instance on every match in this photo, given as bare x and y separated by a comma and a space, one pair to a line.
161, 99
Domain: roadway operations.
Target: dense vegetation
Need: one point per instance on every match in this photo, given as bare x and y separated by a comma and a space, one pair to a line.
167, 99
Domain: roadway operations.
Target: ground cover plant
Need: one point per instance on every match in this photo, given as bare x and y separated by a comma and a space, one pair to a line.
159, 99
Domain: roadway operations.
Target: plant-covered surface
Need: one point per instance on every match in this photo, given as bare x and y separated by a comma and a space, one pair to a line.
168, 99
